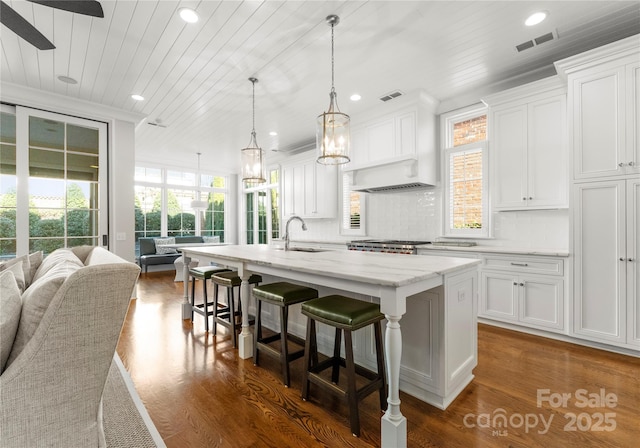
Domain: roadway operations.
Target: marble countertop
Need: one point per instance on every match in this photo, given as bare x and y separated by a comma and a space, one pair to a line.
375, 268
498, 250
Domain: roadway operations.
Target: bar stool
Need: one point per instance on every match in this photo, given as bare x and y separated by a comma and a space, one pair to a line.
346, 315
203, 273
226, 315
282, 295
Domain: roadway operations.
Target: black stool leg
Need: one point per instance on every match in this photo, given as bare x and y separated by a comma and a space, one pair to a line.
310, 353
232, 314
352, 397
215, 306
284, 349
380, 359
257, 336
193, 295
206, 309
335, 371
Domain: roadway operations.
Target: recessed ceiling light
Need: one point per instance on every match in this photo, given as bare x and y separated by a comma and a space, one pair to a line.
355, 97
67, 79
274, 133
535, 18
188, 15
137, 97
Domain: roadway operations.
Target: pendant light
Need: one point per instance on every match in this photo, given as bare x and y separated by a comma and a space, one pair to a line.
253, 166
332, 127
198, 204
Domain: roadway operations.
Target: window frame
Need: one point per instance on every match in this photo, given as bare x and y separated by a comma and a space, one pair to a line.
267, 188
448, 121
345, 201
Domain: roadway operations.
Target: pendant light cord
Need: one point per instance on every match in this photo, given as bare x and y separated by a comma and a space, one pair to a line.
332, 60
253, 95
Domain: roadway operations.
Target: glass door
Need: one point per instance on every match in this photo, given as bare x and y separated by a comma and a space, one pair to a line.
60, 180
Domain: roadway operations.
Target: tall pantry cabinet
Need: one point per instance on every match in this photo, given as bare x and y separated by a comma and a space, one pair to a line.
604, 116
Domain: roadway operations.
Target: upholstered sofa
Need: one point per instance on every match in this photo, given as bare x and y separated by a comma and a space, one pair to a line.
58, 340
152, 255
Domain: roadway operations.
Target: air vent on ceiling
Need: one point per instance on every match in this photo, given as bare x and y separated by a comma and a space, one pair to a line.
390, 96
537, 41
160, 125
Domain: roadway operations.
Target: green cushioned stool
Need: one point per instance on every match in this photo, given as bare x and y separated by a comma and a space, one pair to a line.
225, 315
203, 273
282, 295
345, 315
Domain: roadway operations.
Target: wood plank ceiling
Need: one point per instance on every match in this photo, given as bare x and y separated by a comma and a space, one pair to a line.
194, 76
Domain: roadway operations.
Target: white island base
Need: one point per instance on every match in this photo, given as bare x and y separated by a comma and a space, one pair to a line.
435, 299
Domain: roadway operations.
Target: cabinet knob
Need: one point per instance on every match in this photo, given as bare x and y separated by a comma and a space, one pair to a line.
515, 283
621, 164
530, 198
630, 259
524, 199
522, 284
621, 259
630, 163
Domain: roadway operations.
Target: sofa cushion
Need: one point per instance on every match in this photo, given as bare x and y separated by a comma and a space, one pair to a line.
10, 307
160, 242
53, 259
36, 300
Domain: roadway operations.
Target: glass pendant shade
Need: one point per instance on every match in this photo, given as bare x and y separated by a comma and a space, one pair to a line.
332, 135
333, 139
254, 170
253, 166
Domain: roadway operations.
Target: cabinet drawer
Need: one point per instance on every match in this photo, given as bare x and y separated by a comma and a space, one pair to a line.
552, 266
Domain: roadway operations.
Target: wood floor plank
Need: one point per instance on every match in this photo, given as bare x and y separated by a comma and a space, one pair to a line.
199, 393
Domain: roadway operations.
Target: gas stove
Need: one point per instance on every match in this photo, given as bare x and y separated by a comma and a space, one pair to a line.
387, 246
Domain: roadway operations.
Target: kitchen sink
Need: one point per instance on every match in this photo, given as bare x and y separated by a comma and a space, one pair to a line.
303, 249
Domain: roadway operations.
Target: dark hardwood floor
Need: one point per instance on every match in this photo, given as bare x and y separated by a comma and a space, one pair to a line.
200, 394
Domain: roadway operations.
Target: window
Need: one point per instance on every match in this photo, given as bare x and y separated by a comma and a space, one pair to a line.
163, 203
262, 219
353, 209
464, 134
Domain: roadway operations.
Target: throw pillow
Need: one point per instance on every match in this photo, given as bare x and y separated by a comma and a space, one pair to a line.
10, 306
160, 242
36, 300
53, 259
211, 239
24, 260
35, 260
18, 274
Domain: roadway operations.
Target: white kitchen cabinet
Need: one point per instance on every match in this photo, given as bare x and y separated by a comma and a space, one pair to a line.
388, 137
524, 291
309, 190
528, 150
604, 105
606, 296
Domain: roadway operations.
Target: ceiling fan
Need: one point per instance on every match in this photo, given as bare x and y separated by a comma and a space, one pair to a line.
19, 25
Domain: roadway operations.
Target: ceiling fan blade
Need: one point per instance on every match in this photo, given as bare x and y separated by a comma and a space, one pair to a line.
85, 7
16, 23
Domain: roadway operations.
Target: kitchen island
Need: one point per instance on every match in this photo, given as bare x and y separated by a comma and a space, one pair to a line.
392, 278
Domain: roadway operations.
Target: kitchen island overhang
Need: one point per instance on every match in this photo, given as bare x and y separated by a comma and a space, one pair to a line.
452, 284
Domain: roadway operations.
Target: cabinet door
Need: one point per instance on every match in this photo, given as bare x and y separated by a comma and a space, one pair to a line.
326, 191
287, 191
509, 144
598, 123
406, 135
633, 119
633, 266
541, 301
499, 296
381, 139
600, 266
547, 175
308, 172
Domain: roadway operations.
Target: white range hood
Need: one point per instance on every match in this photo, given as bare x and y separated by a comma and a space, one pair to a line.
396, 149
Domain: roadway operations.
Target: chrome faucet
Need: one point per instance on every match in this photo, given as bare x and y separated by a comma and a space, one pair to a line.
286, 229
